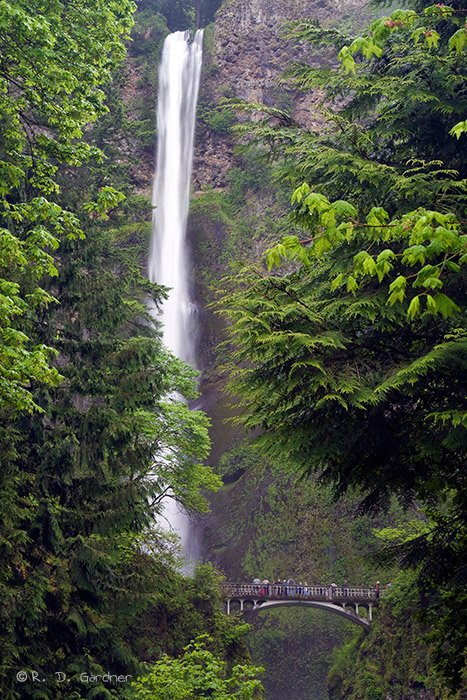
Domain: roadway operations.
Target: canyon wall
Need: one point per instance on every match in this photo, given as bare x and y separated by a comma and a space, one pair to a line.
246, 54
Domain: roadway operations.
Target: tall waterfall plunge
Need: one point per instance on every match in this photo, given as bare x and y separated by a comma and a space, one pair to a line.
179, 76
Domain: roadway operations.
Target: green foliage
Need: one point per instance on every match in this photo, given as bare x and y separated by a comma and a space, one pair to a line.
145, 49
429, 241
293, 527
182, 14
279, 526
388, 141
406, 21
217, 119
91, 436
198, 674
350, 361
95, 482
459, 129
55, 61
391, 659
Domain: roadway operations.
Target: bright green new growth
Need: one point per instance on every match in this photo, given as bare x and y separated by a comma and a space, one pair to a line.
421, 28
55, 61
419, 250
198, 674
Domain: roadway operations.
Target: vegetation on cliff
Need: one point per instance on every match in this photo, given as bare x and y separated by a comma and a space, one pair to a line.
280, 528
181, 14
391, 660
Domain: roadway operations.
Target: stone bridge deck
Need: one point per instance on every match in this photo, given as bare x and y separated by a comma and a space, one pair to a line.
354, 603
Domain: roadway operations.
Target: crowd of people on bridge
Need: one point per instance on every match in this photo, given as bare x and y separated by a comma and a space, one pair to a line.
289, 588
286, 588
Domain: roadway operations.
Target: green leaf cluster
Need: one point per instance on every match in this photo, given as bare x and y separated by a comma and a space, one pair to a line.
55, 61
198, 674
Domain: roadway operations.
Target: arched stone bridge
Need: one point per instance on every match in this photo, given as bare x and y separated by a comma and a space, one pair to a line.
347, 601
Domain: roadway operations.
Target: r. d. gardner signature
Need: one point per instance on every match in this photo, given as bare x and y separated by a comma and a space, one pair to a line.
61, 677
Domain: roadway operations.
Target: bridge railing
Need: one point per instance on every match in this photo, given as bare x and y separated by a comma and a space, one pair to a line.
283, 591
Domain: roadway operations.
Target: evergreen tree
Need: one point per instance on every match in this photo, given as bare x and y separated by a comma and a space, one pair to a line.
353, 362
92, 439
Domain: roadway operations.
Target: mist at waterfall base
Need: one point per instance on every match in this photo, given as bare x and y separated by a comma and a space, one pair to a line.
179, 77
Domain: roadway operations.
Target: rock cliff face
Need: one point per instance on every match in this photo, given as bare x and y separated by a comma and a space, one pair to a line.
245, 56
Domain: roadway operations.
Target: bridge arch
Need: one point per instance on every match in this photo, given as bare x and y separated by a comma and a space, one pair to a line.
330, 607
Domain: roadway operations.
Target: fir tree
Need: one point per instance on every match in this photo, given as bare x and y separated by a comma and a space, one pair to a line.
353, 363
92, 438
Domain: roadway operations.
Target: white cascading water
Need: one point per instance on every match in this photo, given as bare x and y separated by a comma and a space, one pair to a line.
179, 77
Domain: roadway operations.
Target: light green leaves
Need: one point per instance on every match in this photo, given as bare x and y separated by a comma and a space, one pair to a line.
423, 33
366, 47
316, 202
347, 60
377, 217
459, 129
197, 673
397, 290
108, 198
414, 254
429, 241
384, 263
344, 209
352, 284
55, 63
289, 248
435, 304
414, 308
300, 193
444, 305
458, 41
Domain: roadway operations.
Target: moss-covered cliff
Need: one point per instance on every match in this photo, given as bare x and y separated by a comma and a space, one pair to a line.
264, 523
395, 660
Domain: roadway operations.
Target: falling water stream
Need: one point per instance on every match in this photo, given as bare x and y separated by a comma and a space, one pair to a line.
179, 76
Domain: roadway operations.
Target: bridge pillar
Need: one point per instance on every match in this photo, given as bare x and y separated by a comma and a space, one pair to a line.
241, 604
228, 606
370, 614
356, 608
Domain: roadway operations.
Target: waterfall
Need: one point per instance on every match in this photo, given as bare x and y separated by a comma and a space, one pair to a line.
179, 76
